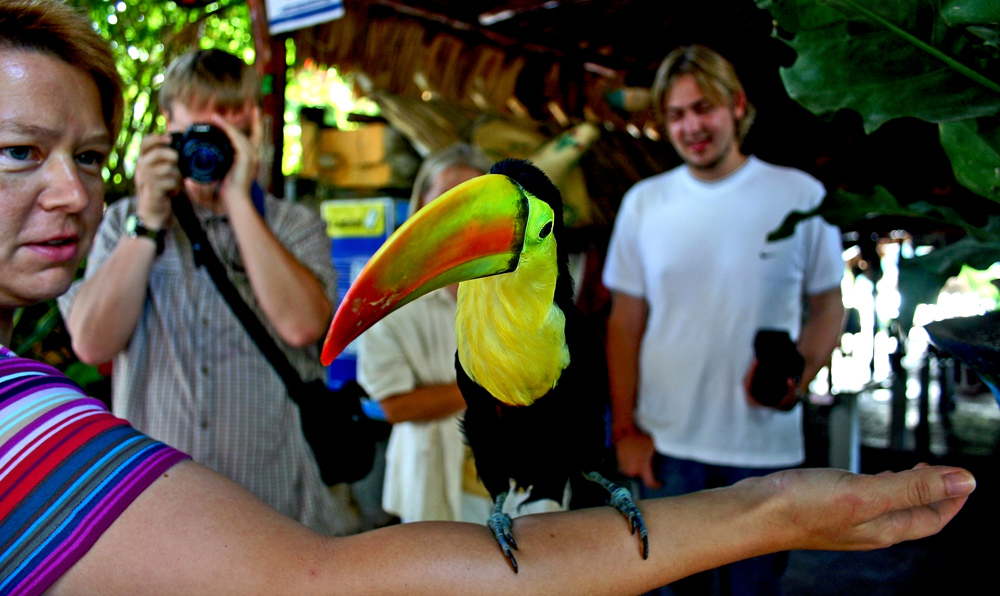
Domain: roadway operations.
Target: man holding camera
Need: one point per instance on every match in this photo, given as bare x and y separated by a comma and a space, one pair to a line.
694, 279
185, 370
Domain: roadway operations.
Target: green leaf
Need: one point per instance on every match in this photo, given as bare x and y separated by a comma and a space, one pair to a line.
83, 374
971, 12
882, 61
916, 285
847, 209
973, 146
43, 326
795, 16
921, 278
825, 79
947, 261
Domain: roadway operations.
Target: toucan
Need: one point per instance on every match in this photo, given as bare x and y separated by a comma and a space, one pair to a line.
530, 368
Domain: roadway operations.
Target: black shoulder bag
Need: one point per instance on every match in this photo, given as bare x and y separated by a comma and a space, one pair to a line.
342, 438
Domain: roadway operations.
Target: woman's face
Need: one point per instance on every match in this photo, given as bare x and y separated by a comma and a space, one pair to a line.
53, 144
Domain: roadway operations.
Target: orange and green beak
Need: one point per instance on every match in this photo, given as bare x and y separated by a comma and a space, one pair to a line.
474, 230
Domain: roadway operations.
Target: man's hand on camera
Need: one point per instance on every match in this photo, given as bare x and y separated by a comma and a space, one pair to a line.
246, 157
156, 180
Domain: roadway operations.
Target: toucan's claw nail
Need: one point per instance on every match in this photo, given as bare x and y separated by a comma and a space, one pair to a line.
620, 498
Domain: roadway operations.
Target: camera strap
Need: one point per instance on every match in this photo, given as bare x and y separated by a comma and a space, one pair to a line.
205, 256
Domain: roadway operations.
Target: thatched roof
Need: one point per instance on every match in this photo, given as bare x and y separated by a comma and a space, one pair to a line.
551, 60
439, 68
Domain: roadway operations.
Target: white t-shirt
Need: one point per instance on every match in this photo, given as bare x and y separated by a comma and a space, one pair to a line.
698, 253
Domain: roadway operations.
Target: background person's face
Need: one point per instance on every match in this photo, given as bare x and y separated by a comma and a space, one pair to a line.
703, 133
53, 145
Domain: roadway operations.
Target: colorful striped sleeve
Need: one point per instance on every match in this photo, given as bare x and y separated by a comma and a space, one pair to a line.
68, 469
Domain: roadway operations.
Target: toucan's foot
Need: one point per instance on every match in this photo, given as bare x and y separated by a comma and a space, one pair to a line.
500, 523
621, 499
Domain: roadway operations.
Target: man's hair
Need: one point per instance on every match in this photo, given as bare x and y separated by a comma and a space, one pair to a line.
209, 78
458, 154
715, 76
53, 28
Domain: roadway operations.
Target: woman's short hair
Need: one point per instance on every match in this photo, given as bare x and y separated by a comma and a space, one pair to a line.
53, 28
200, 78
715, 76
458, 154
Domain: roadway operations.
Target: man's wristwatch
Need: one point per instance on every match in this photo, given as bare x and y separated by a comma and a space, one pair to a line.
136, 228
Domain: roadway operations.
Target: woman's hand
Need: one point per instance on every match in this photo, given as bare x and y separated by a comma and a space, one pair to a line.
827, 509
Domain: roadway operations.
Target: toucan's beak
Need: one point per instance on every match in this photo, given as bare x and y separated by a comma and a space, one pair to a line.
474, 230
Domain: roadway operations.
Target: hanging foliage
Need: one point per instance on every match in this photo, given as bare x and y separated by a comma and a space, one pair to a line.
145, 36
937, 61
930, 59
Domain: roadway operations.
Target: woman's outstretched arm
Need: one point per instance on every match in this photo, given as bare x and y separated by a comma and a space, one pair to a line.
195, 532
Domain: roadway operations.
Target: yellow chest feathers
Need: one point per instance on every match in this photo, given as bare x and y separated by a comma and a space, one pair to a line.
511, 336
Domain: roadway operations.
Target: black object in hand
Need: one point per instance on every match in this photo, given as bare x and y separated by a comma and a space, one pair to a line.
777, 361
204, 153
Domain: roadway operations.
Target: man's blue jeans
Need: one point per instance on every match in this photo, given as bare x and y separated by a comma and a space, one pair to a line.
759, 576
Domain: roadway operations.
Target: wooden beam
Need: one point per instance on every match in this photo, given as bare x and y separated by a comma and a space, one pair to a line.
501, 40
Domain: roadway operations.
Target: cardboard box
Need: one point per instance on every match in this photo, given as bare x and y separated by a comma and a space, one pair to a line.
339, 148
374, 175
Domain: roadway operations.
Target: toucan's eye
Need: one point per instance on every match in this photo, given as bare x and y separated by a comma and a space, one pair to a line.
545, 231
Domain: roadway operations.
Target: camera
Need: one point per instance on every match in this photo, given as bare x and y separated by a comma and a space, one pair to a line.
777, 361
205, 153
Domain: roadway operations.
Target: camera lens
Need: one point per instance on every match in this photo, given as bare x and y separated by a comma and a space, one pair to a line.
203, 161
205, 153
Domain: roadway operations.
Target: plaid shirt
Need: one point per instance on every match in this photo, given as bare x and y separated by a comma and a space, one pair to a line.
192, 377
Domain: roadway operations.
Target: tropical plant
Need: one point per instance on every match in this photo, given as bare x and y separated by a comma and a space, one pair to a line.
934, 60
145, 36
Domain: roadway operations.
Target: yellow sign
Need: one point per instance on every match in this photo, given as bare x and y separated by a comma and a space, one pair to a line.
355, 219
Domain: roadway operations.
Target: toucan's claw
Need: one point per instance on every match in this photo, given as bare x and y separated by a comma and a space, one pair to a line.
621, 499
500, 524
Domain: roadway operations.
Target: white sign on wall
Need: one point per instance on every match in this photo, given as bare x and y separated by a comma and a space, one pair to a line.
286, 15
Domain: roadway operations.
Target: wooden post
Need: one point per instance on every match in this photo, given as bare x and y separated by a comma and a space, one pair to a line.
897, 412
270, 65
922, 433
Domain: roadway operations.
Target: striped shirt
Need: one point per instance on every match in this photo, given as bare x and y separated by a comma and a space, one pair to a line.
192, 377
68, 469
